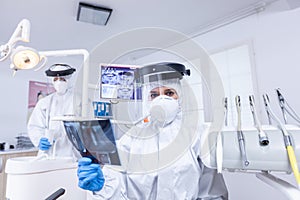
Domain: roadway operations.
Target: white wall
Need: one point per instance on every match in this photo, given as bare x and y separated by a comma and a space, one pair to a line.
275, 38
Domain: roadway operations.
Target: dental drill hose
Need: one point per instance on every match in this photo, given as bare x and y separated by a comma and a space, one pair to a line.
219, 148
242, 147
293, 163
240, 134
292, 158
287, 141
286, 108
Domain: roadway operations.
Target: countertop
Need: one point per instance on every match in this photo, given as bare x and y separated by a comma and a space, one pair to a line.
14, 151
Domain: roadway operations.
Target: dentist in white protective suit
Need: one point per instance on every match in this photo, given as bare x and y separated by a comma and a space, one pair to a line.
160, 158
48, 134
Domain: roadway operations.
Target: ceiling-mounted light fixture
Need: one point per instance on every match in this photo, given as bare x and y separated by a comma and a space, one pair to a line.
93, 14
26, 58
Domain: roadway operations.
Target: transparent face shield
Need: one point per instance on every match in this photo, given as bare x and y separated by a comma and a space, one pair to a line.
60, 73
160, 86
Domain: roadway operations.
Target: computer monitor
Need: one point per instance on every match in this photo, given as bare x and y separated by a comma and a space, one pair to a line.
94, 139
117, 82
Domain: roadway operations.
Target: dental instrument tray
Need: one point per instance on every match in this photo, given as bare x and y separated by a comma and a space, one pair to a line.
271, 157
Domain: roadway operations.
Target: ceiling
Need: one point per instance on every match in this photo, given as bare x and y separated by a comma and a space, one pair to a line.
54, 25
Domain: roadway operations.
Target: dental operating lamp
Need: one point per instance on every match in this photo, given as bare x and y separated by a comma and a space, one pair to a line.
26, 58
21, 57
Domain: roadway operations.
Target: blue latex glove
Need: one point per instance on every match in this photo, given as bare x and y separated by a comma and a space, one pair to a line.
90, 175
44, 144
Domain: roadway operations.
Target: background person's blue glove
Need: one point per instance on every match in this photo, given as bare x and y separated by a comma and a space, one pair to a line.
44, 144
90, 175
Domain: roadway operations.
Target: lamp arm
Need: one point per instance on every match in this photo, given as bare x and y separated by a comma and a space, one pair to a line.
69, 52
21, 33
5, 51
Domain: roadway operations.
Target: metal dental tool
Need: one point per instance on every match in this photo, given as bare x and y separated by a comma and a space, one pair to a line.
263, 138
287, 141
225, 111
286, 108
282, 105
240, 133
268, 114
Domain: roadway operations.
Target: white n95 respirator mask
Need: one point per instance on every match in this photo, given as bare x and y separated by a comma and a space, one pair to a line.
164, 109
60, 87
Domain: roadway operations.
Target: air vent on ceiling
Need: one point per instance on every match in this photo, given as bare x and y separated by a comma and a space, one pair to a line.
93, 14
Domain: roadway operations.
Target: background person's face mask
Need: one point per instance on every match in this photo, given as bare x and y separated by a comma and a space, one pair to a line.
60, 87
164, 109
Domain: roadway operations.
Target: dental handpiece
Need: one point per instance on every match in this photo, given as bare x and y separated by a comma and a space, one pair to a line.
282, 105
225, 111
263, 138
287, 109
240, 134
266, 98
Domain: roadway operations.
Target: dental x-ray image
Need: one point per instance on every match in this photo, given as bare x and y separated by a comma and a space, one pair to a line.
117, 82
94, 139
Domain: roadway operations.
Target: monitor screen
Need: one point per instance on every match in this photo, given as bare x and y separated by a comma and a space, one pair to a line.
94, 139
117, 82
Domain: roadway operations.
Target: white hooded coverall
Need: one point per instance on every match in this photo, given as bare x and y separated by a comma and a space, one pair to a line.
183, 178
41, 121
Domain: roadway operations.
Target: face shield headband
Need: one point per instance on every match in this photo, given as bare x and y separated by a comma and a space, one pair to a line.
60, 70
160, 74
160, 71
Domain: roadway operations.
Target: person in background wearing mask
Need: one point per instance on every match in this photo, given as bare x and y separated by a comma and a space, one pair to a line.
48, 134
160, 158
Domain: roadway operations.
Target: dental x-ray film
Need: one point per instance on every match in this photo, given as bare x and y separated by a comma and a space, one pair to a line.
94, 139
